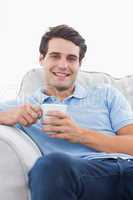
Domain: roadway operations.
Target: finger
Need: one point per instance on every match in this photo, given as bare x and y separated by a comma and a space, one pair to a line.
56, 129
65, 136
52, 121
58, 114
48, 128
23, 121
35, 112
29, 118
36, 108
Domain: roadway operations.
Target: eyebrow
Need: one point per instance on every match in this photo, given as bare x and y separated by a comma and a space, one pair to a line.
54, 52
58, 53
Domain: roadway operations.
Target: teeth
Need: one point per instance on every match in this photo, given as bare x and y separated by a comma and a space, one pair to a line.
61, 74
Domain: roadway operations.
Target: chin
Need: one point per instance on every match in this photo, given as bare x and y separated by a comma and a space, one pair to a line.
62, 88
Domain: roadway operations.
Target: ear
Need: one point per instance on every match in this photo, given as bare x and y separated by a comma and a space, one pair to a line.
41, 59
80, 63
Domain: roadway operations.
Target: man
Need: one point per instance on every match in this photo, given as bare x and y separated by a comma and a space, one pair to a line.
89, 154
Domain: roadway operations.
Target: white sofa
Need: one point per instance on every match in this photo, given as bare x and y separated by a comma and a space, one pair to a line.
18, 152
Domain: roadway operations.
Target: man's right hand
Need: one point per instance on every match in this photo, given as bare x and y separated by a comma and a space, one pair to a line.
25, 115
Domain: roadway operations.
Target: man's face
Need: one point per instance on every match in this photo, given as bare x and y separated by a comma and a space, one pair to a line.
61, 64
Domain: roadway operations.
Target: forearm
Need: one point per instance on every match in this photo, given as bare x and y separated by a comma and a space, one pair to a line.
107, 143
2, 118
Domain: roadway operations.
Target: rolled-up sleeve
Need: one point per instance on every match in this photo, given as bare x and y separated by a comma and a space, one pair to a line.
121, 113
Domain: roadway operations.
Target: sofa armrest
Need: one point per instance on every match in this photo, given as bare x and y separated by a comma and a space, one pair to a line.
17, 155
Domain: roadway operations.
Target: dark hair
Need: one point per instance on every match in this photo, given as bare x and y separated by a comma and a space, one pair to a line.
65, 32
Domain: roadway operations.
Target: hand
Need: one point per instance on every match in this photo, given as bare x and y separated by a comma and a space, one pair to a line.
25, 115
63, 127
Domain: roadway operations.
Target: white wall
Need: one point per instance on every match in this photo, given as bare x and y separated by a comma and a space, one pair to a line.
107, 26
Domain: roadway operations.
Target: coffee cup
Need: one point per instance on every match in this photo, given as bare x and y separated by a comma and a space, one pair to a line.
52, 107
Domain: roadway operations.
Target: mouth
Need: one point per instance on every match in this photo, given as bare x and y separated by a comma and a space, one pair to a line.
61, 74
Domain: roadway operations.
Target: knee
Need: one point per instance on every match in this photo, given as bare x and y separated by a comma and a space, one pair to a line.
54, 164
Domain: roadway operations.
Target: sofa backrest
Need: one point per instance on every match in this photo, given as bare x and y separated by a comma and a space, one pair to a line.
35, 78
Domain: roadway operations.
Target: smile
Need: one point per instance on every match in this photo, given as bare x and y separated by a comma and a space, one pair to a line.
60, 74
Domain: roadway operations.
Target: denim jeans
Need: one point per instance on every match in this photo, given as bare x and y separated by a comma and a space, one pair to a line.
61, 177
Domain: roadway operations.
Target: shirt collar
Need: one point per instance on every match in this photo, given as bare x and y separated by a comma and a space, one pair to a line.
79, 92
40, 96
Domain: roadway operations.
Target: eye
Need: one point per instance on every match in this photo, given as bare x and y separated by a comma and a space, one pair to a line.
72, 58
54, 56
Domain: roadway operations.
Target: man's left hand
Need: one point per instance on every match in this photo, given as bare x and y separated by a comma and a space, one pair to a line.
62, 127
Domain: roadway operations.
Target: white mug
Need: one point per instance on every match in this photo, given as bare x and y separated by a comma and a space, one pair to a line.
53, 107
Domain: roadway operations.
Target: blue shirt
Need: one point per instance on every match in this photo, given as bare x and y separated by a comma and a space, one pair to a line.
100, 108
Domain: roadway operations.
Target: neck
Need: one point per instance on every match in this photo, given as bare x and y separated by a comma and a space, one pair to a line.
60, 94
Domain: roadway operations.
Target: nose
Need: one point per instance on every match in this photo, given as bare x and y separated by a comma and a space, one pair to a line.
63, 64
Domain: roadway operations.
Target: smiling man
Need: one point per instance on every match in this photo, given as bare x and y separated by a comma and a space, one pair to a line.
88, 152
61, 64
